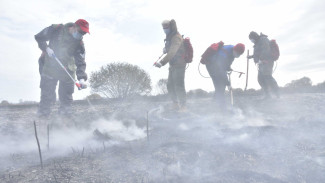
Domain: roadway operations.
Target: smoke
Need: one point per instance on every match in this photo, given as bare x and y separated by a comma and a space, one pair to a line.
65, 139
251, 145
119, 131
261, 142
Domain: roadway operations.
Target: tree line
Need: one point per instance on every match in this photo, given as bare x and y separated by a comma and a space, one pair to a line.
123, 80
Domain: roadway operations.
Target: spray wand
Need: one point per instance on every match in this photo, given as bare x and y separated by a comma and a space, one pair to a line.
240, 73
62, 66
158, 59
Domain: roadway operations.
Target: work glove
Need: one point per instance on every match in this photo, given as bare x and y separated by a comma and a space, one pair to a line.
83, 84
158, 64
50, 52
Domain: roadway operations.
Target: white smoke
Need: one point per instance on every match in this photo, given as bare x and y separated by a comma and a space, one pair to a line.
64, 140
120, 131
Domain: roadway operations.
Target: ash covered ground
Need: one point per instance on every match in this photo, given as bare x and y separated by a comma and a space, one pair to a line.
261, 141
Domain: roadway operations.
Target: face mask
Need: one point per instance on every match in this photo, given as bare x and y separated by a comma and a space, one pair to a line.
252, 40
77, 35
167, 31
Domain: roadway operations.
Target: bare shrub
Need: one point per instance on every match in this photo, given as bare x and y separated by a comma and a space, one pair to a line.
120, 80
161, 87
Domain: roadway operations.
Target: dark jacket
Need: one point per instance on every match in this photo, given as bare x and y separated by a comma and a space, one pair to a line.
174, 47
221, 62
69, 51
262, 49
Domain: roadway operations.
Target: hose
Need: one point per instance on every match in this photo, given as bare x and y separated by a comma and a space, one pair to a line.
200, 71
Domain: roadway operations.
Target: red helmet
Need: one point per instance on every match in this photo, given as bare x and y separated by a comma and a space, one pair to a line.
239, 48
83, 24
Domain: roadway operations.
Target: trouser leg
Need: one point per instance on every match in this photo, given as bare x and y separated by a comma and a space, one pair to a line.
48, 95
273, 85
219, 86
66, 89
220, 94
263, 83
171, 85
212, 70
41, 61
216, 88
179, 82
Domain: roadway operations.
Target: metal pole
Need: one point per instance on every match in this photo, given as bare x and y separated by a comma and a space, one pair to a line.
230, 90
148, 126
247, 70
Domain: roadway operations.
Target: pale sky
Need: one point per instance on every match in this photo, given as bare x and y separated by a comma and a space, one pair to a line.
130, 31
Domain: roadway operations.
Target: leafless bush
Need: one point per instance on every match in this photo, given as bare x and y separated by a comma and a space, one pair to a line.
4, 103
94, 96
161, 87
120, 80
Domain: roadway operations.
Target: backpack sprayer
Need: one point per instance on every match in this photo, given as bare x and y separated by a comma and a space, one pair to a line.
62, 66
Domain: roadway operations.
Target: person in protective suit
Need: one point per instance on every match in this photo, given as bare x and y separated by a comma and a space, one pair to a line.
218, 66
175, 50
262, 57
65, 43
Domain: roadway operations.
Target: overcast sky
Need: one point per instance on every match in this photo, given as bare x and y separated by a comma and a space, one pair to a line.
130, 31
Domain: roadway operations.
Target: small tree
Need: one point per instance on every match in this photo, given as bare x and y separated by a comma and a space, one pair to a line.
161, 86
120, 80
4, 103
300, 85
320, 87
94, 96
197, 93
252, 92
237, 91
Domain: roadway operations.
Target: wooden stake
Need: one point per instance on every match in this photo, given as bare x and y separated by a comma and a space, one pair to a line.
148, 126
39, 148
48, 137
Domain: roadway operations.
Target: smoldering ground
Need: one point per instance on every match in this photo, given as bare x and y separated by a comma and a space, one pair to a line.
65, 135
280, 141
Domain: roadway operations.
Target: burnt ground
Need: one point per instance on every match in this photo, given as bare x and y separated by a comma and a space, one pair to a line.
280, 140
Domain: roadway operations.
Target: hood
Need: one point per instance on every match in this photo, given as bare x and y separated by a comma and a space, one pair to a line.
173, 29
262, 35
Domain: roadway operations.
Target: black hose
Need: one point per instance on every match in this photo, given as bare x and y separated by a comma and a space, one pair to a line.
200, 71
187, 66
276, 65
